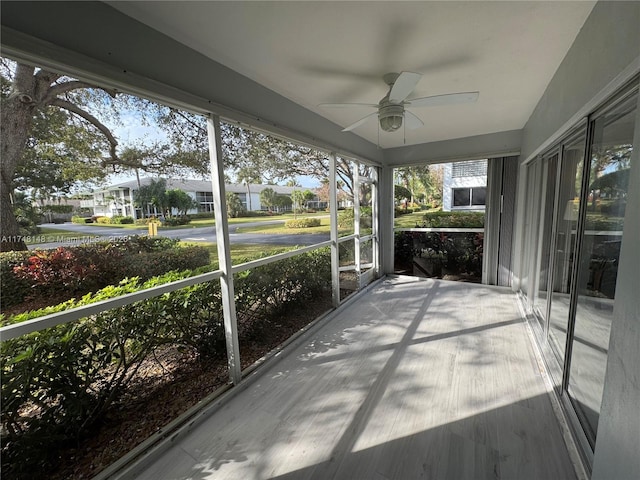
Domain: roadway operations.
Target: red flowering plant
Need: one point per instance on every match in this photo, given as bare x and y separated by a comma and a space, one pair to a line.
56, 269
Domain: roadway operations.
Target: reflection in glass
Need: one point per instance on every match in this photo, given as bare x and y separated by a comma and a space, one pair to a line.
598, 262
565, 241
546, 221
529, 229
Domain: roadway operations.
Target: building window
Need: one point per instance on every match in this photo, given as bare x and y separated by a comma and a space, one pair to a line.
205, 201
467, 197
473, 168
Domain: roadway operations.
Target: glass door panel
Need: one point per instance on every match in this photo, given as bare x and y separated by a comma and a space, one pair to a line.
565, 241
610, 163
545, 237
528, 231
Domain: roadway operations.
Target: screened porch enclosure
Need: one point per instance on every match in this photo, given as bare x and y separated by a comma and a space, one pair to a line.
404, 377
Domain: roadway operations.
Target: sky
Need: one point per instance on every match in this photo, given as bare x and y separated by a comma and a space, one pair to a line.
132, 130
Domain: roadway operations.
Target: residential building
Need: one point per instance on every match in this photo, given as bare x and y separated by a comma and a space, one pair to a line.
120, 198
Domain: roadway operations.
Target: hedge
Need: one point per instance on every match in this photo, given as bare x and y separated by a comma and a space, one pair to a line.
13, 290
120, 220
60, 381
302, 223
70, 374
176, 221
81, 269
453, 219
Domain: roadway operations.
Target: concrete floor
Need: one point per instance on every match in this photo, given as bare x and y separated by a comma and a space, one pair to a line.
415, 379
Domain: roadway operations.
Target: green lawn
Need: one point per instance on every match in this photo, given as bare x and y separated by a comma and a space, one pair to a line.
209, 222
409, 220
242, 252
324, 227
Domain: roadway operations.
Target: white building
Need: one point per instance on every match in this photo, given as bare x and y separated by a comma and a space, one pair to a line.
464, 185
119, 199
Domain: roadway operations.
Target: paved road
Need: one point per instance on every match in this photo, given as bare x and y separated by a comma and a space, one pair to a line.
89, 233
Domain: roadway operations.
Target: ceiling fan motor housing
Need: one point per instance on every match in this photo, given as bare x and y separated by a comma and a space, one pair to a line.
390, 116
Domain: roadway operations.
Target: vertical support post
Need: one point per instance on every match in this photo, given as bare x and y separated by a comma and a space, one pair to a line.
333, 213
493, 215
224, 252
356, 221
386, 212
375, 222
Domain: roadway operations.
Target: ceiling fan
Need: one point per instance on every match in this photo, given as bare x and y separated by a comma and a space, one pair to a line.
392, 109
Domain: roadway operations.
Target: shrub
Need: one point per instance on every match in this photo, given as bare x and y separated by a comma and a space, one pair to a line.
102, 220
459, 253
67, 376
268, 289
149, 264
454, 219
615, 207
120, 220
302, 223
77, 270
58, 382
603, 222
346, 218
202, 215
175, 221
61, 269
145, 243
13, 290
401, 211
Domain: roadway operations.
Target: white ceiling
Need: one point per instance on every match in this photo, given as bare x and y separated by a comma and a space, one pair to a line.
318, 51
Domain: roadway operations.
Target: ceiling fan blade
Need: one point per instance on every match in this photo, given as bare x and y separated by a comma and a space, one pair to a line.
359, 122
448, 99
348, 105
411, 121
403, 86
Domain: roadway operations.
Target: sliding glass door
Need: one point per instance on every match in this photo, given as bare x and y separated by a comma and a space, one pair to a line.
564, 246
576, 206
550, 171
601, 237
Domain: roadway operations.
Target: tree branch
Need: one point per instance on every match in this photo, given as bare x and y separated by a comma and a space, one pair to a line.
187, 119
58, 102
61, 88
47, 76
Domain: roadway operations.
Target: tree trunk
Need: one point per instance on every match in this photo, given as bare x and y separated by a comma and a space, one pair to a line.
15, 124
11, 238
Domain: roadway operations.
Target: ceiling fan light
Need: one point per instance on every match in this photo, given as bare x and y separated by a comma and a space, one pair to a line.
391, 123
391, 116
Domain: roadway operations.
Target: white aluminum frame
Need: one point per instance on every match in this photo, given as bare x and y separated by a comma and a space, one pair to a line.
224, 251
29, 326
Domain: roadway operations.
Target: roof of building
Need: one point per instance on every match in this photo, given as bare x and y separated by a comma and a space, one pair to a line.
191, 185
